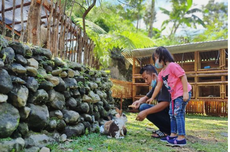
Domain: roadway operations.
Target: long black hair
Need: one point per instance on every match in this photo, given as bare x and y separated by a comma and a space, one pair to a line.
163, 55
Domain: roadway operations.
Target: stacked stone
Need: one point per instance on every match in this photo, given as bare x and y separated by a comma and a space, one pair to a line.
42, 94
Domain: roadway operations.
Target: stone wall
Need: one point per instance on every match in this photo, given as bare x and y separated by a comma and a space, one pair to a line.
45, 99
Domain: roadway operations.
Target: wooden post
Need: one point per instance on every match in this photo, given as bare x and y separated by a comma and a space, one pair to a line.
133, 79
48, 27
13, 20
22, 22
3, 18
33, 28
55, 31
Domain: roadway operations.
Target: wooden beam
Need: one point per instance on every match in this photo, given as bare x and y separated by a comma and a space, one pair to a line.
17, 6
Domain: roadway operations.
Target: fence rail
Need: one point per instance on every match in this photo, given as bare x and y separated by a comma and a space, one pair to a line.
44, 23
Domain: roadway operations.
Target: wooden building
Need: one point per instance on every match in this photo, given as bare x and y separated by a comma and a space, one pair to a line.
206, 67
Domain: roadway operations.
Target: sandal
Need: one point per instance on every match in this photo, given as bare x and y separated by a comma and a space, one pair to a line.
158, 134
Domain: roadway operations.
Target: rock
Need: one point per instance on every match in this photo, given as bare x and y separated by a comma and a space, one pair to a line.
32, 149
72, 103
57, 100
31, 71
86, 98
95, 98
71, 73
41, 96
20, 59
44, 149
58, 62
63, 138
3, 42
12, 145
9, 119
93, 85
18, 68
46, 85
17, 80
71, 83
84, 107
18, 48
19, 95
74, 66
7, 54
76, 130
23, 129
3, 98
57, 72
70, 116
56, 113
63, 74
28, 51
38, 140
33, 63
87, 117
1, 64
24, 112
61, 125
75, 93
52, 79
38, 117
61, 87
42, 51
32, 84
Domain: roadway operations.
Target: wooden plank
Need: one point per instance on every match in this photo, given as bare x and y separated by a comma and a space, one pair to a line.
17, 6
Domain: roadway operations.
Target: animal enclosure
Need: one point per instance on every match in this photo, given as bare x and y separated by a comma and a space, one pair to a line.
206, 67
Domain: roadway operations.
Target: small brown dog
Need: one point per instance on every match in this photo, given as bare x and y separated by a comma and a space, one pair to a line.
116, 127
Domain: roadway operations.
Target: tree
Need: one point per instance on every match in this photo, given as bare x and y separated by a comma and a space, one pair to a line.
150, 17
182, 13
120, 32
216, 19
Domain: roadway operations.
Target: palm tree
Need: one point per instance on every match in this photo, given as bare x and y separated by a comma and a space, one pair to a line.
182, 14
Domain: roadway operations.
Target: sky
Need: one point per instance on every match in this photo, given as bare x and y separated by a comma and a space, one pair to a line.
160, 17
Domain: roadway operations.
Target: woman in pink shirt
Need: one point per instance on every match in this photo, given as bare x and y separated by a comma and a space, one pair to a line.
175, 80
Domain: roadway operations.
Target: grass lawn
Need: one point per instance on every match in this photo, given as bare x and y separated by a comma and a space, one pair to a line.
204, 134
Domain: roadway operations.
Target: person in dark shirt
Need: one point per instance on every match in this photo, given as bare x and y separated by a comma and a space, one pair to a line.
157, 114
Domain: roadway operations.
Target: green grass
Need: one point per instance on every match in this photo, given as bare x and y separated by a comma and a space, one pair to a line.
204, 134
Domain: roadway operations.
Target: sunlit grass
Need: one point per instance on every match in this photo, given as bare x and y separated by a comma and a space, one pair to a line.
204, 134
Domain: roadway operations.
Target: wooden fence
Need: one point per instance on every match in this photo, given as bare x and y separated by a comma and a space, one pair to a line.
44, 23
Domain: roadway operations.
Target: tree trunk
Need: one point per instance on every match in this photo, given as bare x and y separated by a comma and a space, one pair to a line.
33, 28
152, 18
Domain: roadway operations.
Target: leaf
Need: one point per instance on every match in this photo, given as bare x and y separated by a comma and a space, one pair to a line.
189, 2
90, 149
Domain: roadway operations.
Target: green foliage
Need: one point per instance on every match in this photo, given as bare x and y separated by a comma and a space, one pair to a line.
182, 14
40, 78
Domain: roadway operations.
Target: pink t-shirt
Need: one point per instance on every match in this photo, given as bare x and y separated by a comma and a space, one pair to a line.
171, 79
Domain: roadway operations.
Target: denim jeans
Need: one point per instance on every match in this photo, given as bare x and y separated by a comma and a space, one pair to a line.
178, 117
160, 119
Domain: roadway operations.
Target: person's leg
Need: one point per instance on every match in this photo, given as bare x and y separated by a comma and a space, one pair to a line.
160, 119
179, 113
172, 121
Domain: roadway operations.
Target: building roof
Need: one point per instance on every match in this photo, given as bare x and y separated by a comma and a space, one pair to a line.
175, 49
